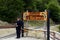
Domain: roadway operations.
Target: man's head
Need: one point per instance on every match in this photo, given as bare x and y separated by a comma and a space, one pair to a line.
18, 19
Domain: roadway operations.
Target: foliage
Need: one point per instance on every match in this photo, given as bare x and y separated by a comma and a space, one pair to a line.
10, 9
54, 11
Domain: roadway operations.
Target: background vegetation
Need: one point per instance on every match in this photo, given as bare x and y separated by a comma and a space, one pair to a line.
11, 9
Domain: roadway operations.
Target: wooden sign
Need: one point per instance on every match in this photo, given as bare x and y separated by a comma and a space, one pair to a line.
35, 15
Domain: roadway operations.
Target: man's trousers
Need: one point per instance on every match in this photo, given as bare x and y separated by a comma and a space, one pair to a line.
19, 30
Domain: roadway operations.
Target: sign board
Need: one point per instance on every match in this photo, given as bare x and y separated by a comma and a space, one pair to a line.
35, 15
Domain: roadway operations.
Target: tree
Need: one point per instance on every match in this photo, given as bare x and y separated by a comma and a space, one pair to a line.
41, 4
53, 6
10, 9
59, 2
30, 5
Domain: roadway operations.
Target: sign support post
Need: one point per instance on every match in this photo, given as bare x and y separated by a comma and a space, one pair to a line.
48, 25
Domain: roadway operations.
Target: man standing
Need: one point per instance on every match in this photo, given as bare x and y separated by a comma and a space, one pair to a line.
19, 28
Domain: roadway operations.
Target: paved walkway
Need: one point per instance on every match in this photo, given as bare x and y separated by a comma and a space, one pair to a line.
24, 38
6, 31
13, 36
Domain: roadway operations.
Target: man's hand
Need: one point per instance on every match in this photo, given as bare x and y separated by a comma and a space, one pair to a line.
16, 25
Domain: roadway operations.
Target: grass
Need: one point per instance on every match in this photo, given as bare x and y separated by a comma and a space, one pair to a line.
35, 23
54, 29
38, 23
57, 28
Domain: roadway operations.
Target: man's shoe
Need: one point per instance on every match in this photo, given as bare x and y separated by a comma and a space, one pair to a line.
22, 36
17, 37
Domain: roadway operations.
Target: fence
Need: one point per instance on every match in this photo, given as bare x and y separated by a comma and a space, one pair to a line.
53, 35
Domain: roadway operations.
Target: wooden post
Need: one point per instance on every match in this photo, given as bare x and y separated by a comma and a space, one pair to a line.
27, 32
44, 35
53, 36
35, 33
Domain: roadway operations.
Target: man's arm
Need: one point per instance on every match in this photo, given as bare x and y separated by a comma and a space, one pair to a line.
16, 25
22, 25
